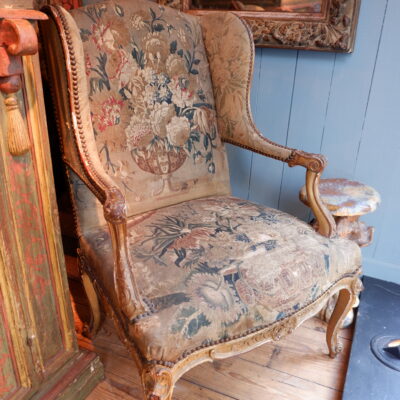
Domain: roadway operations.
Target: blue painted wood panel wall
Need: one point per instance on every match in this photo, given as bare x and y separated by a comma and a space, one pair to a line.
346, 106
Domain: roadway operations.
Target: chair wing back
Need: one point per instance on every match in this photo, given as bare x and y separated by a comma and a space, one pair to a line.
146, 105
230, 51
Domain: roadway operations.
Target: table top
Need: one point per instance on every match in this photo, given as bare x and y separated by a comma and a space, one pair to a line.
346, 198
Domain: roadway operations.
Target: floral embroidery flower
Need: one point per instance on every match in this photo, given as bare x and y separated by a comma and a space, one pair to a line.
182, 36
118, 67
137, 22
204, 119
139, 133
191, 239
163, 94
178, 131
150, 95
156, 46
149, 75
88, 65
160, 117
110, 113
102, 37
214, 297
182, 96
175, 65
155, 69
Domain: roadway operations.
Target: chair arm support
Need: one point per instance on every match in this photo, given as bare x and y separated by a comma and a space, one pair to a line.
115, 213
81, 154
114, 206
129, 297
314, 163
128, 294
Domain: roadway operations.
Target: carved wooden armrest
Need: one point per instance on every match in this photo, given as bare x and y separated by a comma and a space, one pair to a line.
314, 163
81, 154
130, 300
115, 213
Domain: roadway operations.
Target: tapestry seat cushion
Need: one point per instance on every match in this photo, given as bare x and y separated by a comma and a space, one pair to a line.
217, 268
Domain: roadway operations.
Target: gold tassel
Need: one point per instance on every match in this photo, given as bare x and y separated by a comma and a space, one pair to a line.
18, 138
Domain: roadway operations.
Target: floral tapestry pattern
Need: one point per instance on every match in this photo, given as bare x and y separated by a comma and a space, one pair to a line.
215, 267
151, 102
230, 51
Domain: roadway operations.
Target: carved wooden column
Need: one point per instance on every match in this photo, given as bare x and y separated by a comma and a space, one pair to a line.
17, 38
39, 356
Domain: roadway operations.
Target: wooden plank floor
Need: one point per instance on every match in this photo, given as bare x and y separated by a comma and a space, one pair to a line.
296, 368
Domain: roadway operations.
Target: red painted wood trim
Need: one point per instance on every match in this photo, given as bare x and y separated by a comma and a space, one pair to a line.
14, 13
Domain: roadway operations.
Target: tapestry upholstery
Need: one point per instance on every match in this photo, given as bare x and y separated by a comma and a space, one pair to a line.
88, 209
231, 65
151, 103
219, 267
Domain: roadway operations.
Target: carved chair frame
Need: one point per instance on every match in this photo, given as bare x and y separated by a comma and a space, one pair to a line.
334, 29
159, 377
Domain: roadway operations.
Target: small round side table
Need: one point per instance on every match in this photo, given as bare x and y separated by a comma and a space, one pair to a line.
347, 201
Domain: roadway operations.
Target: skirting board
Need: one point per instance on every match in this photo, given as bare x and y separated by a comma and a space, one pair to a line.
381, 270
75, 380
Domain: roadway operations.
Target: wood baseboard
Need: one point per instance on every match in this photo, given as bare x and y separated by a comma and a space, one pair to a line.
76, 380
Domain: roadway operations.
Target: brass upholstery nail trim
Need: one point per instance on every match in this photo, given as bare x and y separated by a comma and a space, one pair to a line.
249, 117
86, 163
211, 343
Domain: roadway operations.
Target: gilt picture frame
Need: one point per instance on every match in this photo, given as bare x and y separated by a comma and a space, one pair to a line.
289, 24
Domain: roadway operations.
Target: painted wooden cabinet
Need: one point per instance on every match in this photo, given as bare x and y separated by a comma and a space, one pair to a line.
39, 356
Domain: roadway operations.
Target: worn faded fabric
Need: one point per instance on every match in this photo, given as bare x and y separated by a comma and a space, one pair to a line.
151, 103
213, 268
231, 65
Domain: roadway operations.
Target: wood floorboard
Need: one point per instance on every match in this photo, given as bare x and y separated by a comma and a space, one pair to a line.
296, 368
302, 355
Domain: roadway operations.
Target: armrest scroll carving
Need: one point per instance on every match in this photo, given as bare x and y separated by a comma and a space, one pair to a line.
114, 206
315, 164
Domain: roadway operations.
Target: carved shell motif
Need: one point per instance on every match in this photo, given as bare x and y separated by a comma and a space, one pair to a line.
283, 329
157, 382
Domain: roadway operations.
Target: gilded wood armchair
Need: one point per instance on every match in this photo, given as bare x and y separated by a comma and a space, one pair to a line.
145, 96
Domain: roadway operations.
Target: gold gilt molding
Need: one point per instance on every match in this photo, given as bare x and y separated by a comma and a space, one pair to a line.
331, 30
335, 32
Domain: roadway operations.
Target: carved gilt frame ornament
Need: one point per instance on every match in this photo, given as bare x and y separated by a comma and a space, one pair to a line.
333, 29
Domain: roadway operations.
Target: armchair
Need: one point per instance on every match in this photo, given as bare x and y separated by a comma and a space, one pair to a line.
145, 98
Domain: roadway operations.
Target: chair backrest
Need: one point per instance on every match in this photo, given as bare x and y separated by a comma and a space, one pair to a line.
144, 74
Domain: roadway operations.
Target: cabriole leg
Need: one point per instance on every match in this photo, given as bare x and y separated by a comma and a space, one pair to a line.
157, 383
96, 315
343, 306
